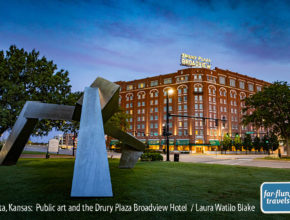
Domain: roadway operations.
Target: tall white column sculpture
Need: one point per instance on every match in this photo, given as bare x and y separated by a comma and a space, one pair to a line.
91, 171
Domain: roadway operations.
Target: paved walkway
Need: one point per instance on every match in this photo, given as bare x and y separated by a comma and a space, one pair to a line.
241, 160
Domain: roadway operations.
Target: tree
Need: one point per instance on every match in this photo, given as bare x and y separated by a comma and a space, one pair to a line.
24, 76
121, 119
271, 110
247, 143
227, 142
273, 141
257, 144
238, 142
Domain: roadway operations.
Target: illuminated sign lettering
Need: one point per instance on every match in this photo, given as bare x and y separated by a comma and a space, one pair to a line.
188, 60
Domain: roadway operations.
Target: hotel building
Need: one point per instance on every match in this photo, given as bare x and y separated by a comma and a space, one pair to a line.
200, 92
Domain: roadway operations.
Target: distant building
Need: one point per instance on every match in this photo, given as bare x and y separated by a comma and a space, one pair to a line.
67, 140
200, 92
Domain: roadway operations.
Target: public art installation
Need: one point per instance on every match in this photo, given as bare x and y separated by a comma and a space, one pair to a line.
91, 177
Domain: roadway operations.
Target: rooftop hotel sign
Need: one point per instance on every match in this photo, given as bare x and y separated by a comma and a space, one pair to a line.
188, 60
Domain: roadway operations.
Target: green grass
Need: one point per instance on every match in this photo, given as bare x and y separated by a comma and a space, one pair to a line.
33, 152
275, 158
41, 181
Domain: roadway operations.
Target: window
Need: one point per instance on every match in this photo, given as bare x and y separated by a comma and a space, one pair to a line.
185, 98
167, 81
181, 78
141, 85
222, 80
232, 82
259, 88
242, 85
129, 87
179, 99
251, 87
154, 83
185, 107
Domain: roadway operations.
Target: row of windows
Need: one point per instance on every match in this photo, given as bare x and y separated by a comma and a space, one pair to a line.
212, 92
222, 80
184, 99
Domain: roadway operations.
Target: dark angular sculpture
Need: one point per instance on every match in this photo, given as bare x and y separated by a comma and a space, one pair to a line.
100, 102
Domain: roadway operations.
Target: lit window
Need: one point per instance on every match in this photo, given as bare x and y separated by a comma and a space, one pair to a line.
141, 85
129, 87
167, 81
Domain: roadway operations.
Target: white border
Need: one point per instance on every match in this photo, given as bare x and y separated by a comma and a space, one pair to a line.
261, 197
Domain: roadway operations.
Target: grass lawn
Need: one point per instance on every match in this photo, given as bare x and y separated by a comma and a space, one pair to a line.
275, 158
42, 181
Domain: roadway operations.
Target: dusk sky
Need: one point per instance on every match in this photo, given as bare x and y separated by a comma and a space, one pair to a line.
127, 40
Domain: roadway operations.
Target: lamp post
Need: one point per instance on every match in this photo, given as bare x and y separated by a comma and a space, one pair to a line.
166, 133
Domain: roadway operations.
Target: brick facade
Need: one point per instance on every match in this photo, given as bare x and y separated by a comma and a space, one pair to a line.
198, 92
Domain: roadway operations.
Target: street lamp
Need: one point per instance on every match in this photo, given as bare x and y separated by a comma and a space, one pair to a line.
166, 132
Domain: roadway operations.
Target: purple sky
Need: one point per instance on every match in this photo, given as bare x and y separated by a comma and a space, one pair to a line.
126, 40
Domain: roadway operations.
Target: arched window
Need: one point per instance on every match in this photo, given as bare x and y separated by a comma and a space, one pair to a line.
223, 91
197, 87
233, 94
141, 95
182, 89
153, 93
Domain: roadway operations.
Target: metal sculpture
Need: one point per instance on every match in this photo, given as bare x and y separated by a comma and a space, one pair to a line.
91, 176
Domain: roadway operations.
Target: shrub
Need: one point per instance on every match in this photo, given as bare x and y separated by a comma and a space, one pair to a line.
151, 151
151, 157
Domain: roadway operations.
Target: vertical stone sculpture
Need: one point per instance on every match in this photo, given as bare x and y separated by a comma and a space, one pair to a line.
91, 171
